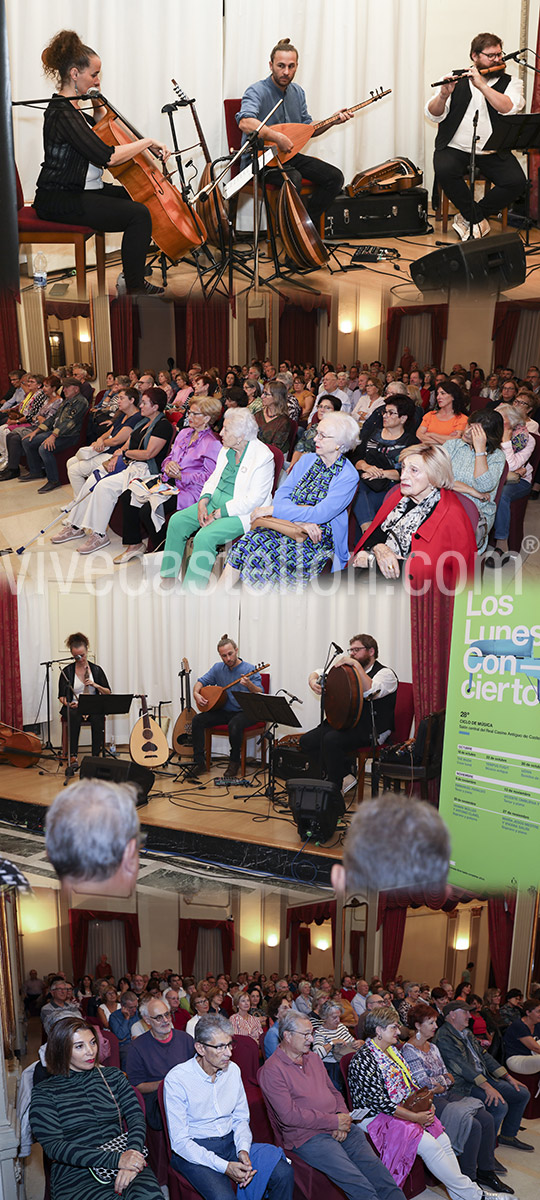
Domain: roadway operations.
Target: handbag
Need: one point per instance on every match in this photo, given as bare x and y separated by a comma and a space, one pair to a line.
419, 1100
116, 1144
375, 458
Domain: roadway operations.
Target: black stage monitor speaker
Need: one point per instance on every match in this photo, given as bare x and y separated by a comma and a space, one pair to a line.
117, 770
491, 263
316, 807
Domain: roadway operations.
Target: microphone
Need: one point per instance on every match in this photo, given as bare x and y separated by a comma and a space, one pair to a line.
79, 657
338, 648
291, 697
507, 57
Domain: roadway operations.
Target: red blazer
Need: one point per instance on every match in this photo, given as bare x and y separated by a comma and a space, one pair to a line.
443, 548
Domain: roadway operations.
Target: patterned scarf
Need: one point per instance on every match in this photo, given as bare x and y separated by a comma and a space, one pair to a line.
402, 523
519, 439
398, 1080
313, 486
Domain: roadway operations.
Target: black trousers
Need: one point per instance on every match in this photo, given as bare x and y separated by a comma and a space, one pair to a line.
134, 519
97, 726
110, 210
338, 745
236, 722
328, 181
502, 169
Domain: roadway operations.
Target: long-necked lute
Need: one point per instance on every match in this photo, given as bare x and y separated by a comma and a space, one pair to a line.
216, 696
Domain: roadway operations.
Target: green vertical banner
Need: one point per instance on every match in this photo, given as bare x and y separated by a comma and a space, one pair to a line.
490, 784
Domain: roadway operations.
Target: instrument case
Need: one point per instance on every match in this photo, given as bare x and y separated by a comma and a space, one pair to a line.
386, 214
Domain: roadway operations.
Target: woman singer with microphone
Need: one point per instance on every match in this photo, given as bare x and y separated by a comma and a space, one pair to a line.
81, 677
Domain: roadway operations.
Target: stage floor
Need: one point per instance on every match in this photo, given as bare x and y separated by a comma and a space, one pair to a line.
235, 826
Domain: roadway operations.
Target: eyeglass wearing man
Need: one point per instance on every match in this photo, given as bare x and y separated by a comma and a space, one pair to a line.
152, 1055
208, 1119
313, 1117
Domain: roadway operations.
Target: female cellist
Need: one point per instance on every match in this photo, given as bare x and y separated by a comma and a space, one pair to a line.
70, 188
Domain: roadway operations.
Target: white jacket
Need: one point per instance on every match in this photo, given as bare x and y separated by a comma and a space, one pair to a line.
253, 484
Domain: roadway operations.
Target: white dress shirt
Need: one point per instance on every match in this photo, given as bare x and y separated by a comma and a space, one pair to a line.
201, 1107
462, 139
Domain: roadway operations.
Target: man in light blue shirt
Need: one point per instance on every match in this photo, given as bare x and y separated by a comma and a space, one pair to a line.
257, 102
208, 1120
231, 670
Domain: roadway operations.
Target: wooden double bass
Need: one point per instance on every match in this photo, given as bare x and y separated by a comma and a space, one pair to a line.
206, 210
176, 227
18, 748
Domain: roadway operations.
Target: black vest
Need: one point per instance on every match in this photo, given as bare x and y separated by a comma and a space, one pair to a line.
383, 707
459, 103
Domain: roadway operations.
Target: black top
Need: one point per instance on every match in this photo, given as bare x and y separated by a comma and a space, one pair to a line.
70, 145
162, 429
98, 676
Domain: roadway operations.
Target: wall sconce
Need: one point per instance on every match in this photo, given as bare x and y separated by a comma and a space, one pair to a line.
345, 326
322, 944
272, 939
462, 943
85, 336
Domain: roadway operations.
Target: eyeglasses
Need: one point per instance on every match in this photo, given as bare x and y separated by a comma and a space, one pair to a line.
299, 1033
492, 57
161, 1017
326, 437
219, 1046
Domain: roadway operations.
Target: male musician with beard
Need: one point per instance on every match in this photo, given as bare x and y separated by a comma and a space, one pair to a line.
453, 109
379, 684
260, 98
231, 669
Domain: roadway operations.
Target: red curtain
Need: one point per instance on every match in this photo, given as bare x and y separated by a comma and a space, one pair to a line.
431, 631
125, 334
207, 334
501, 912
10, 674
355, 941
188, 934
306, 914
10, 354
63, 310
505, 327
298, 334
304, 940
439, 328
79, 920
393, 932
258, 325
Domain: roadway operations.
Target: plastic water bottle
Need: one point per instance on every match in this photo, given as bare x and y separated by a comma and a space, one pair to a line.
40, 271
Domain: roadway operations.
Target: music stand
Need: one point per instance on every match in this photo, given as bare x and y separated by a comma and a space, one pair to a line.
275, 710
105, 706
521, 132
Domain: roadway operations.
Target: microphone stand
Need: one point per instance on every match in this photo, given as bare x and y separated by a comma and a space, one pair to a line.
475, 139
48, 663
70, 770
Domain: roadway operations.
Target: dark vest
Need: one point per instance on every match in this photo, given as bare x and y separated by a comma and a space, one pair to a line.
459, 103
383, 708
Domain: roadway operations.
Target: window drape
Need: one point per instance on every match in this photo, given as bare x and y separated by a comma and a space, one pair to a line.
125, 334
188, 934
11, 709
298, 334
439, 328
207, 333
10, 354
209, 955
501, 911
79, 920
306, 914
106, 937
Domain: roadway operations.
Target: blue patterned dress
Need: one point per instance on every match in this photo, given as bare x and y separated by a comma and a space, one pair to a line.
266, 558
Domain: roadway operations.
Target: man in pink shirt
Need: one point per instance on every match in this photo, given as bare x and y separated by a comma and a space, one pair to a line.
314, 1120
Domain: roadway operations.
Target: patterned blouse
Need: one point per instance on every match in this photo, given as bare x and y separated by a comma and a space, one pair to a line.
246, 1026
427, 1066
378, 1082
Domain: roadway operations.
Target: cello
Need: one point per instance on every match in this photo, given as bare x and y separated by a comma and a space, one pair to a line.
176, 227
18, 748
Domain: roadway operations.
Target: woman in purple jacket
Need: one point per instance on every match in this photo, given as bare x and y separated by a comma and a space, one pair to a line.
191, 462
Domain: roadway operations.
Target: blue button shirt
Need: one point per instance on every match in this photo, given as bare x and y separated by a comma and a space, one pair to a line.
259, 98
221, 675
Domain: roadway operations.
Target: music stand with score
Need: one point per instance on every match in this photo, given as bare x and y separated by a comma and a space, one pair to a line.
275, 710
105, 706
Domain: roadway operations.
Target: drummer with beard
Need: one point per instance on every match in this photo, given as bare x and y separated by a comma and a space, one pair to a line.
336, 746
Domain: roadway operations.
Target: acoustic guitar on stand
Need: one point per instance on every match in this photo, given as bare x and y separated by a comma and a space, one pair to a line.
148, 745
216, 696
182, 728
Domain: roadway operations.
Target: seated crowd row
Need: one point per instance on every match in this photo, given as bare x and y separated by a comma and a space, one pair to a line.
342, 1063
283, 493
